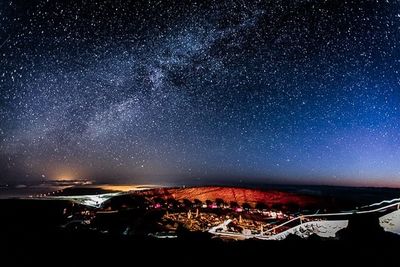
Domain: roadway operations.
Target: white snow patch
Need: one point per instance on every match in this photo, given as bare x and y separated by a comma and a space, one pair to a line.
391, 222
321, 228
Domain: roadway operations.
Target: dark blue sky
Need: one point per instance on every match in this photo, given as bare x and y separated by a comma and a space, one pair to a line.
151, 91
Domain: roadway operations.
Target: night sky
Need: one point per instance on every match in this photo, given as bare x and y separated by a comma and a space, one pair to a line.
160, 91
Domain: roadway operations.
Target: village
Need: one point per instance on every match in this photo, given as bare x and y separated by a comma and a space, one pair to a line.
242, 221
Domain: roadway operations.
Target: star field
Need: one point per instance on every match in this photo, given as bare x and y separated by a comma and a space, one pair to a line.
273, 91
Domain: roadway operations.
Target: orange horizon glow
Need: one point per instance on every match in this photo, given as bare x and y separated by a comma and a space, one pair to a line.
126, 188
65, 175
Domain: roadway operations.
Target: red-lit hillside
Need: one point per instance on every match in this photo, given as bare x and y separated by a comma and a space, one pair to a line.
228, 194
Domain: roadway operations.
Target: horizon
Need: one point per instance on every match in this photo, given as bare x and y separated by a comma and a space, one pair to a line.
247, 183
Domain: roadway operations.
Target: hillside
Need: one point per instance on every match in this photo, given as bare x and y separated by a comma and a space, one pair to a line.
229, 194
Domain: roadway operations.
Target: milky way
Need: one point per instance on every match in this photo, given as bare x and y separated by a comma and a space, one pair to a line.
272, 91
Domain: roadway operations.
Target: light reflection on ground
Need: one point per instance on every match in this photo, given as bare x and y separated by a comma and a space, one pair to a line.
98, 199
